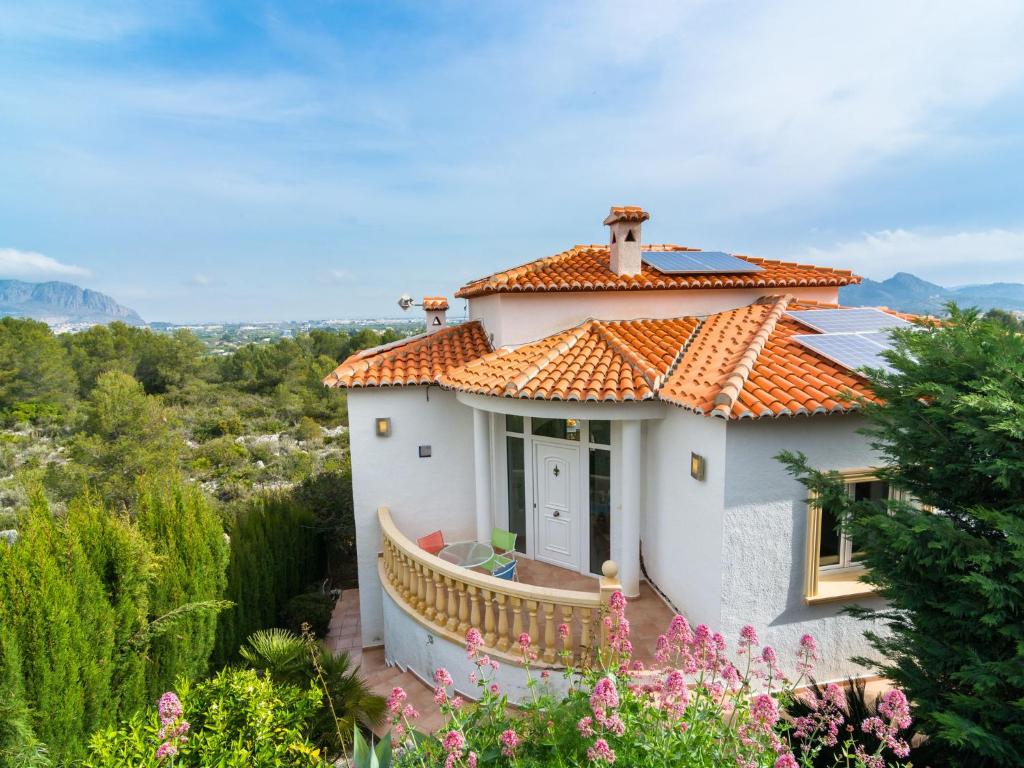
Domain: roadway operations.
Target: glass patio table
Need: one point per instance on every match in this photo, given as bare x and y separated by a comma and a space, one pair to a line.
468, 554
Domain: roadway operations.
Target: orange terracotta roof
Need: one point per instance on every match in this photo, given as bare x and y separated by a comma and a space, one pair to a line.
435, 303
416, 360
626, 213
595, 361
743, 364
585, 268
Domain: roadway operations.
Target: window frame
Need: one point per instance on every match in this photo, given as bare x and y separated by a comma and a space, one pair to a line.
842, 580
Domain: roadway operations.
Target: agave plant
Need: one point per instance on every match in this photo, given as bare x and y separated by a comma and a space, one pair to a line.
366, 755
300, 660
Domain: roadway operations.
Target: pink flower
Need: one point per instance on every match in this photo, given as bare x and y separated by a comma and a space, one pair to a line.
748, 636
601, 753
563, 631
454, 741
617, 601
457, 703
524, 641
509, 741
169, 707
167, 749
409, 712
786, 761
765, 711
604, 695
495, 689
586, 726
473, 641
896, 708
768, 656
545, 674
441, 677
395, 700
440, 695
471, 760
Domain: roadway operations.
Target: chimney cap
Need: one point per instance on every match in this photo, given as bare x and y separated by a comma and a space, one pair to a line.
435, 303
632, 213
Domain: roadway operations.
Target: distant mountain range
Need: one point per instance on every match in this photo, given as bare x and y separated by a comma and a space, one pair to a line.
59, 303
909, 293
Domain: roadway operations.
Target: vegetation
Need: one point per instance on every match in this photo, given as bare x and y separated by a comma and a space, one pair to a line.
702, 709
236, 719
277, 549
300, 660
162, 502
950, 562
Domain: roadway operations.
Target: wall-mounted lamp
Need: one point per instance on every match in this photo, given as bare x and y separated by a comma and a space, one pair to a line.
697, 466
383, 427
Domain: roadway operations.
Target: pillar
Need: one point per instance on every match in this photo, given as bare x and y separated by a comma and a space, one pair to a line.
632, 475
482, 467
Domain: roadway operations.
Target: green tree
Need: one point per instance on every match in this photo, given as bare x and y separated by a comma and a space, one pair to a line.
127, 434
950, 427
187, 536
34, 369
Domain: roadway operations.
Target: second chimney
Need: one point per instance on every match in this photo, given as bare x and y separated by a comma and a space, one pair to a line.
436, 308
624, 244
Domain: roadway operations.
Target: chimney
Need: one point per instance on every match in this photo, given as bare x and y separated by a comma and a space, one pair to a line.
624, 246
436, 308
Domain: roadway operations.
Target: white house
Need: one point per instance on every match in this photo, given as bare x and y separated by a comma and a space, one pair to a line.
619, 402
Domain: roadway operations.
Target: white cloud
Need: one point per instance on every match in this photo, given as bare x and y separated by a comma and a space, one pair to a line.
341, 275
950, 259
199, 279
29, 263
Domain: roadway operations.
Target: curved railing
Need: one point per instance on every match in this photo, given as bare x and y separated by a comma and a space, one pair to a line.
451, 599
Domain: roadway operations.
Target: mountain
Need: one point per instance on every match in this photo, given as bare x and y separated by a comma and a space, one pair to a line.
909, 293
56, 303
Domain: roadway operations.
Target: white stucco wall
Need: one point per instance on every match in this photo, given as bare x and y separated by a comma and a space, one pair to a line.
764, 528
416, 649
681, 528
424, 494
517, 318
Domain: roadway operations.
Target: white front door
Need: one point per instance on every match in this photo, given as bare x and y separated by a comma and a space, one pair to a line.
556, 480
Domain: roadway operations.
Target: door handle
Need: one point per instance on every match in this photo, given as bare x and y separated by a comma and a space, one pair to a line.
555, 513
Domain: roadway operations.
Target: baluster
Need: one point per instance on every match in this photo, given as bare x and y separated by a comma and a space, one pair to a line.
407, 580
463, 609
429, 595
453, 604
439, 614
550, 652
568, 613
517, 619
421, 588
488, 598
585, 642
531, 607
503, 639
474, 610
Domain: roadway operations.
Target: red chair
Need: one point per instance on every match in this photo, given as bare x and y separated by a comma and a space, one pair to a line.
432, 542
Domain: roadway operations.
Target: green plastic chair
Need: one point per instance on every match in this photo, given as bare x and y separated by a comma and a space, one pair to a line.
503, 541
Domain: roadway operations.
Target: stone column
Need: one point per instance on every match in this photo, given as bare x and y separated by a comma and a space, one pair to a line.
632, 475
482, 467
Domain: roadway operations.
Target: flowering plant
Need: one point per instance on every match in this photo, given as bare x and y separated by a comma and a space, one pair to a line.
698, 707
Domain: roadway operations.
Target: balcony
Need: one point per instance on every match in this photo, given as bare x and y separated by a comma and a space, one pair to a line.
447, 600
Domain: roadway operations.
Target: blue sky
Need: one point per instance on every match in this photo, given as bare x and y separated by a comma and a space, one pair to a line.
263, 161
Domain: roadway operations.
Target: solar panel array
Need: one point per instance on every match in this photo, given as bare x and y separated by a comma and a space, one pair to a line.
848, 320
853, 338
850, 350
697, 262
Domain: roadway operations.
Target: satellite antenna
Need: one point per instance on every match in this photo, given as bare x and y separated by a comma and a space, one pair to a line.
405, 301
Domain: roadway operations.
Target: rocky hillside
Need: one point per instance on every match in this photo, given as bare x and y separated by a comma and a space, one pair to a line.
56, 302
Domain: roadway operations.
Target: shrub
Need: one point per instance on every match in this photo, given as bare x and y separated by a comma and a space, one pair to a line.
237, 719
301, 660
329, 496
311, 608
308, 430
276, 551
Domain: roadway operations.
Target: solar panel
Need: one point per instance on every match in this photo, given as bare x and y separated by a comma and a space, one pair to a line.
848, 320
691, 262
850, 350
